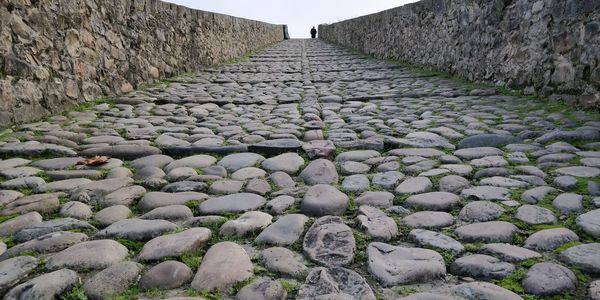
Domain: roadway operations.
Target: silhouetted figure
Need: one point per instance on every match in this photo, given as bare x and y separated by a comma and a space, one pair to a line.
313, 32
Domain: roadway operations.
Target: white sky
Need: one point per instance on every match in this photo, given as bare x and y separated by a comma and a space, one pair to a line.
299, 15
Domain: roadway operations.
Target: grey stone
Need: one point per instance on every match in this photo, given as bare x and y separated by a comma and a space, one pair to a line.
568, 203
392, 265
546, 279
112, 214
493, 231
508, 252
330, 242
481, 266
335, 283
248, 222
487, 140
136, 229
486, 193
42, 203
536, 194
355, 183
283, 261
289, 163
127, 152
166, 275
322, 200
376, 223
98, 254
453, 184
232, 203
283, 232
62, 224
45, 287
376, 199
48, 243
77, 210
432, 239
279, 204
387, 180
428, 219
483, 291
586, 257
153, 200
224, 265
443, 201
534, 215
550, 239
267, 289
590, 222
234, 162
480, 211
15, 269
320, 171
112, 281
12, 226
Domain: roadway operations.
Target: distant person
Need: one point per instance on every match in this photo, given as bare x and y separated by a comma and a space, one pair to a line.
313, 32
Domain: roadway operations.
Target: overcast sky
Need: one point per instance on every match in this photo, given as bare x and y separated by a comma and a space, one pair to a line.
299, 15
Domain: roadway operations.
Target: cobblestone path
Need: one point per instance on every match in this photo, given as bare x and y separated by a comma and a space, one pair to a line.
305, 172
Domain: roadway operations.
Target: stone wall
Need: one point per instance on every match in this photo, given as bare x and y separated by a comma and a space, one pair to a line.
57, 53
541, 46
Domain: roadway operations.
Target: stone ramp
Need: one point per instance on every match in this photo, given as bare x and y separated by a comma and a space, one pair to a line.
305, 171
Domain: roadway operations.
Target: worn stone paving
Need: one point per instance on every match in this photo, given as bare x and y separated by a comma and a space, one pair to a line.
304, 172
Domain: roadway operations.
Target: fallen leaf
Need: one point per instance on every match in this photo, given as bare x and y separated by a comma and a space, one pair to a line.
94, 161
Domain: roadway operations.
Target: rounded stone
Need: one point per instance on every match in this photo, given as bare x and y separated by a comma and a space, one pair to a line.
481, 211
112, 281
330, 242
166, 275
320, 171
550, 239
112, 214
335, 283
240, 202
395, 265
97, 254
443, 201
321, 200
546, 279
224, 265
429, 219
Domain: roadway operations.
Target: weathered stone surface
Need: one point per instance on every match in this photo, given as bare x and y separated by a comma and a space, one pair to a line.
12, 226
428, 219
484, 291
112, 281
480, 211
51, 242
322, 200
590, 222
320, 171
43, 203
284, 232
36, 230
545, 279
166, 275
376, 223
46, 287
432, 239
223, 265
550, 239
174, 245
248, 222
443, 201
335, 283
481, 267
136, 229
494, 231
392, 265
283, 261
15, 269
97, 254
330, 242
288, 162
240, 202
153, 200
586, 257
266, 288
508, 252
